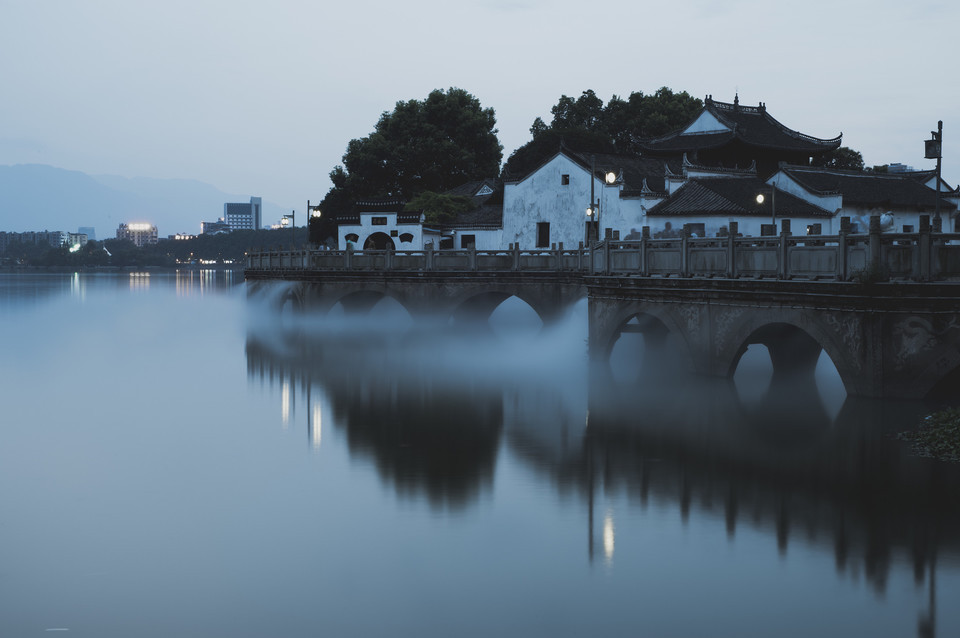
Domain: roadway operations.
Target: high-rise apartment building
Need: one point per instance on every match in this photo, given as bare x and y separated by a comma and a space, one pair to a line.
243, 216
139, 233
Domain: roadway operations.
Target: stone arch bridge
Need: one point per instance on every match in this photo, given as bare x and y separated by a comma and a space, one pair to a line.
466, 297
896, 340
885, 309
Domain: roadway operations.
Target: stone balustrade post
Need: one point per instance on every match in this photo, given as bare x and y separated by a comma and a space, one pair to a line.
428, 257
644, 246
783, 264
924, 245
516, 256
560, 256
734, 229
874, 243
348, 257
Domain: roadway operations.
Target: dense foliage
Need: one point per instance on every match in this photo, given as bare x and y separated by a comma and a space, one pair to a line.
438, 207
843, 157
122, 253
422, 145
587, 124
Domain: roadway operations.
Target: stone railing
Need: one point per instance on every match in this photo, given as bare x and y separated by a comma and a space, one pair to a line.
513, 259
872, 256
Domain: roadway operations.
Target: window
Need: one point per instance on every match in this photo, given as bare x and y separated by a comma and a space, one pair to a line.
564, 180
406, 238
352, 237
543, 234
379, 221
466, 241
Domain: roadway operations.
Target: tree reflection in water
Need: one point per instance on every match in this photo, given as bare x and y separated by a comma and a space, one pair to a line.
778, 463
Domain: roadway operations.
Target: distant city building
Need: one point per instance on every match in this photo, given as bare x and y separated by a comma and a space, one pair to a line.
76, 241
214, 228
89, 232
140, 233
183, 236
54, 239
243, 216
899, 168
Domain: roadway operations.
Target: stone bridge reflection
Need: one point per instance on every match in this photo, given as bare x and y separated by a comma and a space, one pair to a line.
780, 464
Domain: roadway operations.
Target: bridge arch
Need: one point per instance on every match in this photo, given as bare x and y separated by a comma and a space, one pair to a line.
478, 304
794, 341
666, 342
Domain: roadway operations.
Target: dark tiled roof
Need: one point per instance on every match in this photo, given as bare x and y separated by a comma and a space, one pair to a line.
487, 211
752, 125
728, 196
872, 190
380, 205
633, 170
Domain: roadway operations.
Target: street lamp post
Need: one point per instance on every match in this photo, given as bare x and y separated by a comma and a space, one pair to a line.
934, 150
593, 210
773, 205
313, 212
293, 227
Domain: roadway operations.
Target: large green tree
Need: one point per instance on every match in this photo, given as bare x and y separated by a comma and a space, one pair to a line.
587, 124
433, 144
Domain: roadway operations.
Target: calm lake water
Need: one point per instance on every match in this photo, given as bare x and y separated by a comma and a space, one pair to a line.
177, 459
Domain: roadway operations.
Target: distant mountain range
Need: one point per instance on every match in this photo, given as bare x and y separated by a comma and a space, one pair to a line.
40, 197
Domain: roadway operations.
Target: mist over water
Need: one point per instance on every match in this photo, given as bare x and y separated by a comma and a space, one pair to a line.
182, 443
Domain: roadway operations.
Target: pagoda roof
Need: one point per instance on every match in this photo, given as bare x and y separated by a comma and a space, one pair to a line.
868, 189
733, 196
720, 123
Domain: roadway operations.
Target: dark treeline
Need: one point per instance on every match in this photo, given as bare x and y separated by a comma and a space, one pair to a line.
122, 253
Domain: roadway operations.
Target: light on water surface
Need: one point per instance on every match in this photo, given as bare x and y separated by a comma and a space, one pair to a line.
161, 474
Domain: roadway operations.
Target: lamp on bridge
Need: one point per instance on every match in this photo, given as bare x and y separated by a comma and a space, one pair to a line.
761, 197
593, 210
288, 220
313, 211
933, 149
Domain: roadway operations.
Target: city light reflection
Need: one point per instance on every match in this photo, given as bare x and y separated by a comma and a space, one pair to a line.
139, 281
316, 426
608, 536
285, 404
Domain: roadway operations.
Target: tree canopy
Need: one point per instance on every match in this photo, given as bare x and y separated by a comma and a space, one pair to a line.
585, 123
439, 207
433, 144
842, 157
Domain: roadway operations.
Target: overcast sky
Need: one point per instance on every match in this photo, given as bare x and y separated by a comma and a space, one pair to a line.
261, 98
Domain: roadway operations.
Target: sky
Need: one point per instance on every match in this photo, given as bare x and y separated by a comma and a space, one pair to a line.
261, 98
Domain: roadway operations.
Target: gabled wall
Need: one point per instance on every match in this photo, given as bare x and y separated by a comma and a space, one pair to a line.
543, 197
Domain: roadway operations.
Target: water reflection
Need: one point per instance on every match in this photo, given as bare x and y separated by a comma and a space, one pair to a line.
425, 437
778, 462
